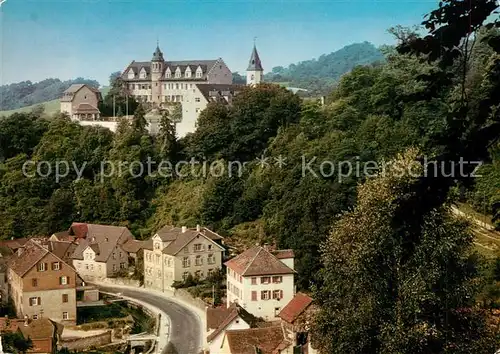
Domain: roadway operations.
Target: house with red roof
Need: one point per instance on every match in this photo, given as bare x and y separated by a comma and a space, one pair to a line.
261, 281
297, 317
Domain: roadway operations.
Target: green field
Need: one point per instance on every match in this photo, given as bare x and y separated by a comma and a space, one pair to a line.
51, 107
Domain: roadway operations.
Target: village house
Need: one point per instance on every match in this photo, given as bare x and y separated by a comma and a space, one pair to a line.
221, 319
261, 281
99, 253
43, 332
262, 340
175, 252
81, 102
297, 317
42, 285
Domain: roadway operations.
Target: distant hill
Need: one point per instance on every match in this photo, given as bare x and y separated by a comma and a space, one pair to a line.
26, 93
320, 75
49, 107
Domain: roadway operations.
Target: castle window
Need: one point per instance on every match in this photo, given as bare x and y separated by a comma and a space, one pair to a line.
197, 99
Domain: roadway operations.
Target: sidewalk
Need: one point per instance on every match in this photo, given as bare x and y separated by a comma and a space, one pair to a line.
169, 295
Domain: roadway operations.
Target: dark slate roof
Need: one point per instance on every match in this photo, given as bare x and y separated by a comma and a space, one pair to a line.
134, 246
157, 55
179, 239
206, 66
102, 239
255, 64
208, 90
295, 307
258, 261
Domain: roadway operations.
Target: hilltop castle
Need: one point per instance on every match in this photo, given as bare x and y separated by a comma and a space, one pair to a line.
159, 82
193, 83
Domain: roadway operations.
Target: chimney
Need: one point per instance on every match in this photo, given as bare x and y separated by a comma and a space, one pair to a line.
198, 228
184, 228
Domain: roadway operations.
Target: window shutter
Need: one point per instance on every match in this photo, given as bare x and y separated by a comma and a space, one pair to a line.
254, 296
281, 294
46, 266
39, 301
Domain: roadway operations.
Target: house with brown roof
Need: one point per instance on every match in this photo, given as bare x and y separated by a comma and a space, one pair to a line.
176, 252
42, 285
266, 340
43, 333
261, 281
81, 102
221, 319
297, 318
99, 251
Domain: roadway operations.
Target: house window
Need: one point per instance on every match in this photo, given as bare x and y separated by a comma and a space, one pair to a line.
276, 311
185, 275
121, 254
63, 280
198, 247
211, 259
65, 316
158, 273
199, 260
92, 267
198, 274
198, 74
265, 294
34, 301
34, 282
209, 247
86, 266
114, 255
42, 267
157, 259
185, 262
265, 280
277, 294
56, 266
254, 296
197, 110
277, 279
65, 298
197, 99
254, 281
114, 267
122, 265
35, 317
186, 249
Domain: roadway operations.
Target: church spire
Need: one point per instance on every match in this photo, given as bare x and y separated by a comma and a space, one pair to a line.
255, 64
157, 55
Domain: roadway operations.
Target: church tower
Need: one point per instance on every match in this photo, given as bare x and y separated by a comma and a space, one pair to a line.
254, 70
157, 64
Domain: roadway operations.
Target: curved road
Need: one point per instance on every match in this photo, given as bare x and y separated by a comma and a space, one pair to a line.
185, 336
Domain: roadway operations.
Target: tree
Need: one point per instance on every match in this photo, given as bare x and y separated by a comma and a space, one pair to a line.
167, 138
139, 122
387, 288
113, 76
14, 342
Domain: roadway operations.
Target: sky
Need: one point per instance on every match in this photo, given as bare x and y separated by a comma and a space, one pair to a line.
66, 39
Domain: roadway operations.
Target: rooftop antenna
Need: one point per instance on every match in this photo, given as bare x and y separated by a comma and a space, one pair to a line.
254, 39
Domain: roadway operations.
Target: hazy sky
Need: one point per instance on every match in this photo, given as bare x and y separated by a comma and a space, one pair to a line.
92, 38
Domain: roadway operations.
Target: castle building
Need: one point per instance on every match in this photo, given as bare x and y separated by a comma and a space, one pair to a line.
192, 83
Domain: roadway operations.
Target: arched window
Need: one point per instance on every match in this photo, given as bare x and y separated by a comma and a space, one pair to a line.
252, 77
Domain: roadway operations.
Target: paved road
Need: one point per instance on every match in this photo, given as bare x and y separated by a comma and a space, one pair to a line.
185, 336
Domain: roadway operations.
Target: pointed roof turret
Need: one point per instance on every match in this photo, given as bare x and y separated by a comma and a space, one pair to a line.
255, 64
157, 55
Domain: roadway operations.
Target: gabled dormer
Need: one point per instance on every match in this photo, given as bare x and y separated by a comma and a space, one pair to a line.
178, 72
199, 72
187, 73
131, 73
143, 73
168, 73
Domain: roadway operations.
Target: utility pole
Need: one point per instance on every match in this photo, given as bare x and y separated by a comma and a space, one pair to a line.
114, 115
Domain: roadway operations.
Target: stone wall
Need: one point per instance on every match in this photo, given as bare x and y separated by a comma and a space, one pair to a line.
86, 342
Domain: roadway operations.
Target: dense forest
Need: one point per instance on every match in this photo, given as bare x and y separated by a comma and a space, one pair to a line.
318, 76
27, 93
392, 271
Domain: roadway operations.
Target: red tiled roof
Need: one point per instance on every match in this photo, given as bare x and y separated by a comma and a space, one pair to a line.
295, 307
78, 229
245, 341
258, 261
215, 316
283, 254
10, 324
32, 253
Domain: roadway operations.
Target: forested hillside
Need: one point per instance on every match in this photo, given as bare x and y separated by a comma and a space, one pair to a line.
320, 75
27, 93
391, 270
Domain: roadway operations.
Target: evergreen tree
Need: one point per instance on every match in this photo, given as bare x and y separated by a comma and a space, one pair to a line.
139, 122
